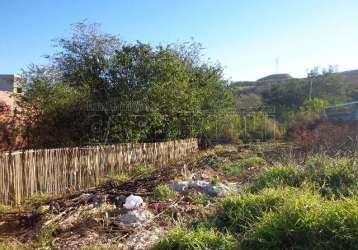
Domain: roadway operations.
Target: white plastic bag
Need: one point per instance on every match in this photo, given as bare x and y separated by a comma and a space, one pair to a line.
133, 202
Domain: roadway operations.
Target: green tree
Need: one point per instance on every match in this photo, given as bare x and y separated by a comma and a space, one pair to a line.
99, 87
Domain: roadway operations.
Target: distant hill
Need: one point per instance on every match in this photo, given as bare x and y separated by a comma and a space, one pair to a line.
350, 76
275, 77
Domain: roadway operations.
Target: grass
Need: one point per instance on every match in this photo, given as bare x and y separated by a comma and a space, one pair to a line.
307, 222
10, 244
5, 209
36, 199
99, 247
45, 237
238, 213
163, 192
135, 172
140, 170
122, 177
309, 206
279, 176
201, 199
334, 177
239, 167
199, 239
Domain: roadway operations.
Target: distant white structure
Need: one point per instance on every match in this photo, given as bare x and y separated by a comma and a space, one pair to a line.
10, 83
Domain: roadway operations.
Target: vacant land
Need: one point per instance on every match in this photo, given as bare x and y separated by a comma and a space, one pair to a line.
257, 196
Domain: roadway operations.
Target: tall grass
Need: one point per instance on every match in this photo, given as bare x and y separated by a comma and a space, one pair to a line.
334, 177
307, 222
199, 239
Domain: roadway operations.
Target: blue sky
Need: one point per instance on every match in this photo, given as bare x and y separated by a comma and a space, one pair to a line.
245, 36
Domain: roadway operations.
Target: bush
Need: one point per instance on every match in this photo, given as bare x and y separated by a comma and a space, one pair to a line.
200, 239
278, 176
307, 222
163, 192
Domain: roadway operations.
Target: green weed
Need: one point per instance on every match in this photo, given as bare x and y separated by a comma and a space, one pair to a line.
200, 239
307, 222
238, 212
201, 199
163, 192
239, 167
279, 176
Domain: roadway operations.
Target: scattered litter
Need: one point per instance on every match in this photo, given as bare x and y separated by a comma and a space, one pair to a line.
201, 186
179, 186
135, 217
216, 190
133, 202
144, 239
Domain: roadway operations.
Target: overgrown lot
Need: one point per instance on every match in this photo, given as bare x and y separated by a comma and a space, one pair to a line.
230, 197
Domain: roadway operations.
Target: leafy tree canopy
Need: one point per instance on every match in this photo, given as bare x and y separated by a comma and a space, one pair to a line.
99, 87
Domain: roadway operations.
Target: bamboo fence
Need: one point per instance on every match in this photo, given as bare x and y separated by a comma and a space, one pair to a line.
57, 171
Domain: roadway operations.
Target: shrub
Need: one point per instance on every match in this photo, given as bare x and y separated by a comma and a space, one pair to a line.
200, 239
307, 222
277, 176
163, 192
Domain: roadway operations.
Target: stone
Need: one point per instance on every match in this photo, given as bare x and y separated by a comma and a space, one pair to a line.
133, 202
135, 217
179, 186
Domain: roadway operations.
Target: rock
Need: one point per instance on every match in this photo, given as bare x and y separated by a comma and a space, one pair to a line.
136, 217
133, 202
179, 186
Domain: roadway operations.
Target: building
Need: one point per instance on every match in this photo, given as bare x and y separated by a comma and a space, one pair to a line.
10, 83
